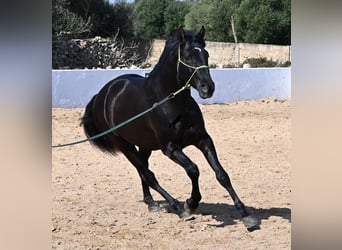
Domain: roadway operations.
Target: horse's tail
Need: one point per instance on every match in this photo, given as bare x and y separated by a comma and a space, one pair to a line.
105, 143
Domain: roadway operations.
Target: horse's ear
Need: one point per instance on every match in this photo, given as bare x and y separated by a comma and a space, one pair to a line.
201, 33
180, 34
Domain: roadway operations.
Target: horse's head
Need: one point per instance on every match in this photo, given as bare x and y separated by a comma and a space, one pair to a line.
192, 65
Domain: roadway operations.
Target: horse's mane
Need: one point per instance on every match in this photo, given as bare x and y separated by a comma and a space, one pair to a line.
171, 45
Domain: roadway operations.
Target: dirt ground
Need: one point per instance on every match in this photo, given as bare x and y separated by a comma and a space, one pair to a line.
97, 198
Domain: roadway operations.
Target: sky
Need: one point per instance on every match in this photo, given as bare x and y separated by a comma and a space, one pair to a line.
129, 1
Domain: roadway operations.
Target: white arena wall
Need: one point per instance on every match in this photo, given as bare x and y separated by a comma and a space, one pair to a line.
75, 88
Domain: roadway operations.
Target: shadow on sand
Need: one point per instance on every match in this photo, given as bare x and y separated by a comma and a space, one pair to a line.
227, 215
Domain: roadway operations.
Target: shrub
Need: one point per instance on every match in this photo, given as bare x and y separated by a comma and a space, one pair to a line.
260, 62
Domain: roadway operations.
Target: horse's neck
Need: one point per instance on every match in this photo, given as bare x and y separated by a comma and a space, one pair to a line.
164, 78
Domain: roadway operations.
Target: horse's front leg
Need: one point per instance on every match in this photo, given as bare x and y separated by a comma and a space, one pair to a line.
176, 154
207, 147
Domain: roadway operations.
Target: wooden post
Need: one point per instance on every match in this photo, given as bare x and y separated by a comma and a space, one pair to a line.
236, 47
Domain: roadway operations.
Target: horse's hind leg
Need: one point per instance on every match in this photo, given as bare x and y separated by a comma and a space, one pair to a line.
148, 199
207, 147
176, 154
148, 178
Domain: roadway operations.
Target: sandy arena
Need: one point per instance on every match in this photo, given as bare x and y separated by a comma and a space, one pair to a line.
97, 198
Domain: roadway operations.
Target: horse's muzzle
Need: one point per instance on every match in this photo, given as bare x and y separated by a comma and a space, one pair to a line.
206, 90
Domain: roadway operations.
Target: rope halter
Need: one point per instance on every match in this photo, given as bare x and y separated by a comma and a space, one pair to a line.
187, 84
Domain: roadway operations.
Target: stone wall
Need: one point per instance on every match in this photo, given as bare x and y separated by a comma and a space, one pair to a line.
223, 54
104, 53
109, 53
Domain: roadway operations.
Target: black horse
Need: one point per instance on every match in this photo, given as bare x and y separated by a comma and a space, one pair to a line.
170, 127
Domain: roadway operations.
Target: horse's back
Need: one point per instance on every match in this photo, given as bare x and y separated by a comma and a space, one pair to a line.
119, 86
126, 79
132, 77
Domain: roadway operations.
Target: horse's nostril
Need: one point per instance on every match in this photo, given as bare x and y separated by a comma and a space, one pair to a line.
204, 88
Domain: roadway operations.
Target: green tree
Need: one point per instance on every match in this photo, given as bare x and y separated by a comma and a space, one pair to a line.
149, 19
80, 7
264, 21
215, 15
124, 19
103, 18
106, 18
219, 16
174, 15
65, 22
198, 16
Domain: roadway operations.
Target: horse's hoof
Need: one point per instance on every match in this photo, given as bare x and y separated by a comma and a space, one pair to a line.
188, 209
251, 223
186, 216
154, 207
175, 208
